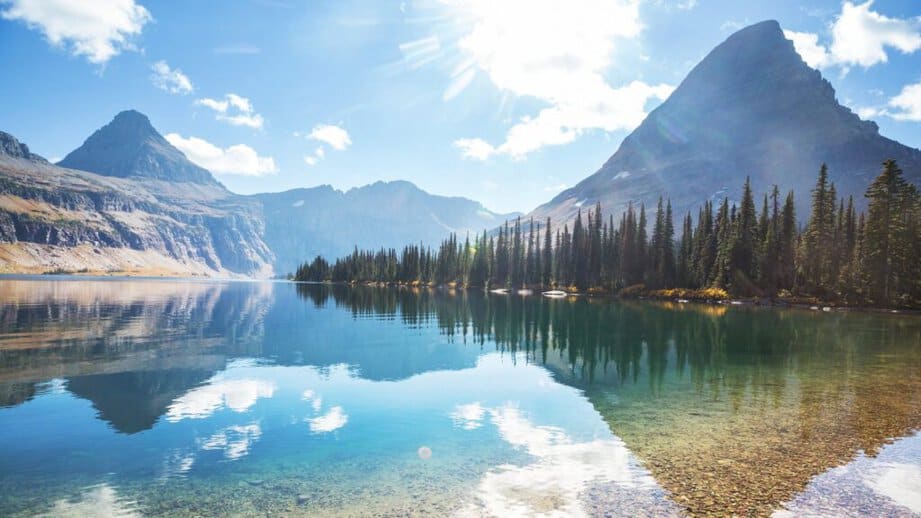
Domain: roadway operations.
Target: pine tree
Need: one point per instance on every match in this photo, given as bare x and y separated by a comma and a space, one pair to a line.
885, 233
744, 239
548, 256
722, 264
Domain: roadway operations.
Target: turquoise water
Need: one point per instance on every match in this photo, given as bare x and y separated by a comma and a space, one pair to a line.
153, 397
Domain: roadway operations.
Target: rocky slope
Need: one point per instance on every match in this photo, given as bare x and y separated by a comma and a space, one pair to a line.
303, 223
144, 209
752, 107
58, 219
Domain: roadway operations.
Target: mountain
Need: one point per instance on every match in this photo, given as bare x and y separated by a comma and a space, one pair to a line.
127, 201
148, 210
752, 107
303, 223
11, 147
130, 147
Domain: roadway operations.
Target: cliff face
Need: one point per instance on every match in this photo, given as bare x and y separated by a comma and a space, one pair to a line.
58, 219
752, 107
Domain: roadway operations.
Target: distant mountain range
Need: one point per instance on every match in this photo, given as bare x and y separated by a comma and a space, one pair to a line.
127, 201
752, 107
303, 223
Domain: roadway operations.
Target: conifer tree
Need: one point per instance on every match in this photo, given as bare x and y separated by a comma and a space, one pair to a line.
547, 261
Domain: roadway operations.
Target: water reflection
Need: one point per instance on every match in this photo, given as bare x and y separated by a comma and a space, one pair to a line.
888, 484
238, 395
735, 409
99, 500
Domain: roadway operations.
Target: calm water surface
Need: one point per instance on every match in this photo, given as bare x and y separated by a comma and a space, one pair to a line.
147, 397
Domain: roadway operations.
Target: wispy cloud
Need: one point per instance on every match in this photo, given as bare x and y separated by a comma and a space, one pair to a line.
238, 159
555, 55
169, 79
233, 109
97, 30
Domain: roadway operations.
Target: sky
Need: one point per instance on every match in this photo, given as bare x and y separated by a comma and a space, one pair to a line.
506, 102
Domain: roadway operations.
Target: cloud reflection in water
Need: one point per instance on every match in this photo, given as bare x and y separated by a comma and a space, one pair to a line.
238, 395
562, 471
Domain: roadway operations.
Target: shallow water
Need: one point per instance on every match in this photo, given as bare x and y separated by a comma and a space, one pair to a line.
149, 397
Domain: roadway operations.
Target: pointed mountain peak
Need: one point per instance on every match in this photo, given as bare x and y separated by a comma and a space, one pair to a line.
759, 31
129, 146
133, 119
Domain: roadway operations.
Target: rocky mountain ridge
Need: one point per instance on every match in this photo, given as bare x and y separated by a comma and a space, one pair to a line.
303, 223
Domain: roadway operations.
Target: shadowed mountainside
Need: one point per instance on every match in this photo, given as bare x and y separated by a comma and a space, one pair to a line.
752, 107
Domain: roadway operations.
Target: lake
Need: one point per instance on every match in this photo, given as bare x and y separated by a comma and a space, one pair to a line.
162, 397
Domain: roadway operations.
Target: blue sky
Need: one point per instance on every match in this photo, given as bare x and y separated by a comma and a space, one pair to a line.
505, 102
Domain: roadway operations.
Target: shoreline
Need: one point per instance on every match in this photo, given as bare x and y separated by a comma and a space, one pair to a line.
792, 302
687, 296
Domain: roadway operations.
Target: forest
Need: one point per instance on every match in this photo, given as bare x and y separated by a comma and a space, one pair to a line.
838, 255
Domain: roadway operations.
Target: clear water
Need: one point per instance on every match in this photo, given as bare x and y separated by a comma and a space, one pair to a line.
149, 397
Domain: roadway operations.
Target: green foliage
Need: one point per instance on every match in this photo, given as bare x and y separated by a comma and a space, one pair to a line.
839, 256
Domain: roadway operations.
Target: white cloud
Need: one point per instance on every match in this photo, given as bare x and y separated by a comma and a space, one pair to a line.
314, 159
611, 110
98, 30
237, 159
475, 148
170, 80
556, 54
332, 420
334, 136
907, 105
859, 36
807, 46
233, 109
867, 112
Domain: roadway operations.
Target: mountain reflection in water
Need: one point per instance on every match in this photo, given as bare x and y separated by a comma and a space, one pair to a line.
729, 409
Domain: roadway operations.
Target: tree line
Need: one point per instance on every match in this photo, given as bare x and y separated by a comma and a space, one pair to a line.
840, 254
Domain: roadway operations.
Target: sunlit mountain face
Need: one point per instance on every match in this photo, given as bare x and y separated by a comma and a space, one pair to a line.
276, 397
751, 108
